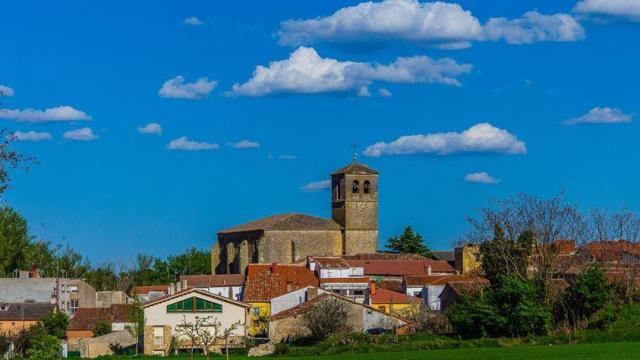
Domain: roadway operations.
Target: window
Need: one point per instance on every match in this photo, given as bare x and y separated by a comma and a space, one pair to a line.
355, 187
74, 306
417, 293
367, 187
358, 292
194, 304
256, 311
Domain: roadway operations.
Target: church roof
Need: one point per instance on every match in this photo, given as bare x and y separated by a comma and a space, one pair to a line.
355, 168
286, 222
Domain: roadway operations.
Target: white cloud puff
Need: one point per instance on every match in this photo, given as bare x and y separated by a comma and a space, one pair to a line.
245, 144
193, 20
60, 113
621, 8
479, 138
601, 115
151, 129
176, 88
440, 24
183, 143
481, 177
30, 136
384, 93
317, 186
534, 27
6, 91
84, 134
306, 72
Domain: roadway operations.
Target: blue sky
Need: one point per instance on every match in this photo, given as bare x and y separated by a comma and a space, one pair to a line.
487, 99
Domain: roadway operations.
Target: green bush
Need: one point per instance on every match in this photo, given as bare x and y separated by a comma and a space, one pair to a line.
44, 347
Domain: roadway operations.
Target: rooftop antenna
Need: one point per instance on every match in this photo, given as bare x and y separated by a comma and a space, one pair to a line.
355, 152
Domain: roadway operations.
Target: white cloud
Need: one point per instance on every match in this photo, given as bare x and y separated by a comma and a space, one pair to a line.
389, 20
622, 8
364, 92
534, 27
481, 177
84, 134
306, 72
178, 89
6, 91
482, 137
151, 128
385, 93
317, 186
439, 24
245, 144
193, 20
599, 115
60, 113
183, 143
30, 136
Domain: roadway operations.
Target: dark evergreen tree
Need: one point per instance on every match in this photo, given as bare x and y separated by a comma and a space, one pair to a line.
409, 242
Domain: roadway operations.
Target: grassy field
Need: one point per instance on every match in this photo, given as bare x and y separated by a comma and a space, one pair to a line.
618, 351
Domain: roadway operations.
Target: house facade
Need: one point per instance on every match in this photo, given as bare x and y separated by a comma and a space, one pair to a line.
165, 315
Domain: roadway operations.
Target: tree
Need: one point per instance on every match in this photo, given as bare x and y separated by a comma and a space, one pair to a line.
102, 328
10, 159
45, 347
504, 257
326, 318
589, 293
55, 323
15, 243
409, 242
188, 330
136, 317
204, 332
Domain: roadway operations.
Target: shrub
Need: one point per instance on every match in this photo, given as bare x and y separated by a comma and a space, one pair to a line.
44, 347
588, 294
102, 328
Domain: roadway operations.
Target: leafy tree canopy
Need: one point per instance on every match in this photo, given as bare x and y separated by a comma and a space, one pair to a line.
409, 242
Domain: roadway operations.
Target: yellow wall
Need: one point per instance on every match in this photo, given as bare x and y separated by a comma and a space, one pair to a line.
15, 326
393, 308
264, 310
467, 259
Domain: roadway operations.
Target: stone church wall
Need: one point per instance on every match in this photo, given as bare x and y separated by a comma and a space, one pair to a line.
360, 241
285, 247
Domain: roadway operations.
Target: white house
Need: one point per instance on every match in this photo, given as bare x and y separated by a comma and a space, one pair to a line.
228, 285
429, 287
294, 298
163, 316
336, 275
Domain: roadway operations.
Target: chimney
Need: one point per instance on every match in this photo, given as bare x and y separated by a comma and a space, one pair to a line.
372, 287
311, 293
429, 270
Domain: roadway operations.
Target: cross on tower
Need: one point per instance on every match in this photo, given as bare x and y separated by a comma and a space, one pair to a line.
355, 152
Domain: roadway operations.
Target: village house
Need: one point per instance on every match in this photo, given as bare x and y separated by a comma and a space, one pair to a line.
165, 315
85, 321
467, 259
287, 325
340, 277
146, 293
291, 238
392, 302
455, 289
227, 285
429, 287
267, 281
15, 317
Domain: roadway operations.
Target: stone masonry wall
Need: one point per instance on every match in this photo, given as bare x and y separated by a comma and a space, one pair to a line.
285, 247
360, 241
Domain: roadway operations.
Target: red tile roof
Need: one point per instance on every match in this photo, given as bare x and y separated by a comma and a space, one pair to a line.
213, 280
88, 318
611, 251
384, 296
332, 262
286, 222
385, 256
564, 247
437, 279
265, 281
402, 267
146, 289
353, 280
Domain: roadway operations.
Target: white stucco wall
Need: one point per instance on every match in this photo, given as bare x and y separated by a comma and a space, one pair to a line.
157, 315
431, 296
414, 289
290, 300
224, 291
373, 320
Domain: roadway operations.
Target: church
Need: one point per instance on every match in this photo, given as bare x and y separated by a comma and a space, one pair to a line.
290, 238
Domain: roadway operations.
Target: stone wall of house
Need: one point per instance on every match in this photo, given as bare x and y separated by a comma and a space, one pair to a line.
150, 347
284, 329
360, 241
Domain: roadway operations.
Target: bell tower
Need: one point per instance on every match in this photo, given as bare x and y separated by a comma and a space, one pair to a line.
354, 205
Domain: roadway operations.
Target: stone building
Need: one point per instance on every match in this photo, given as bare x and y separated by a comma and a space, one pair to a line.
290, 238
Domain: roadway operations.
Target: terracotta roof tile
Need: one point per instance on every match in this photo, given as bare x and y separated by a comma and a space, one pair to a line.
332, 262
146, 289
385, 256
213, 280
264, 281
402, 267
437, 279
286, 222
384, 296
88, 318
355, 168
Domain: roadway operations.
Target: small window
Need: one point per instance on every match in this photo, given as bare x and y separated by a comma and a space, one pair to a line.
355, 187
367, 187
256, 311
358, 292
